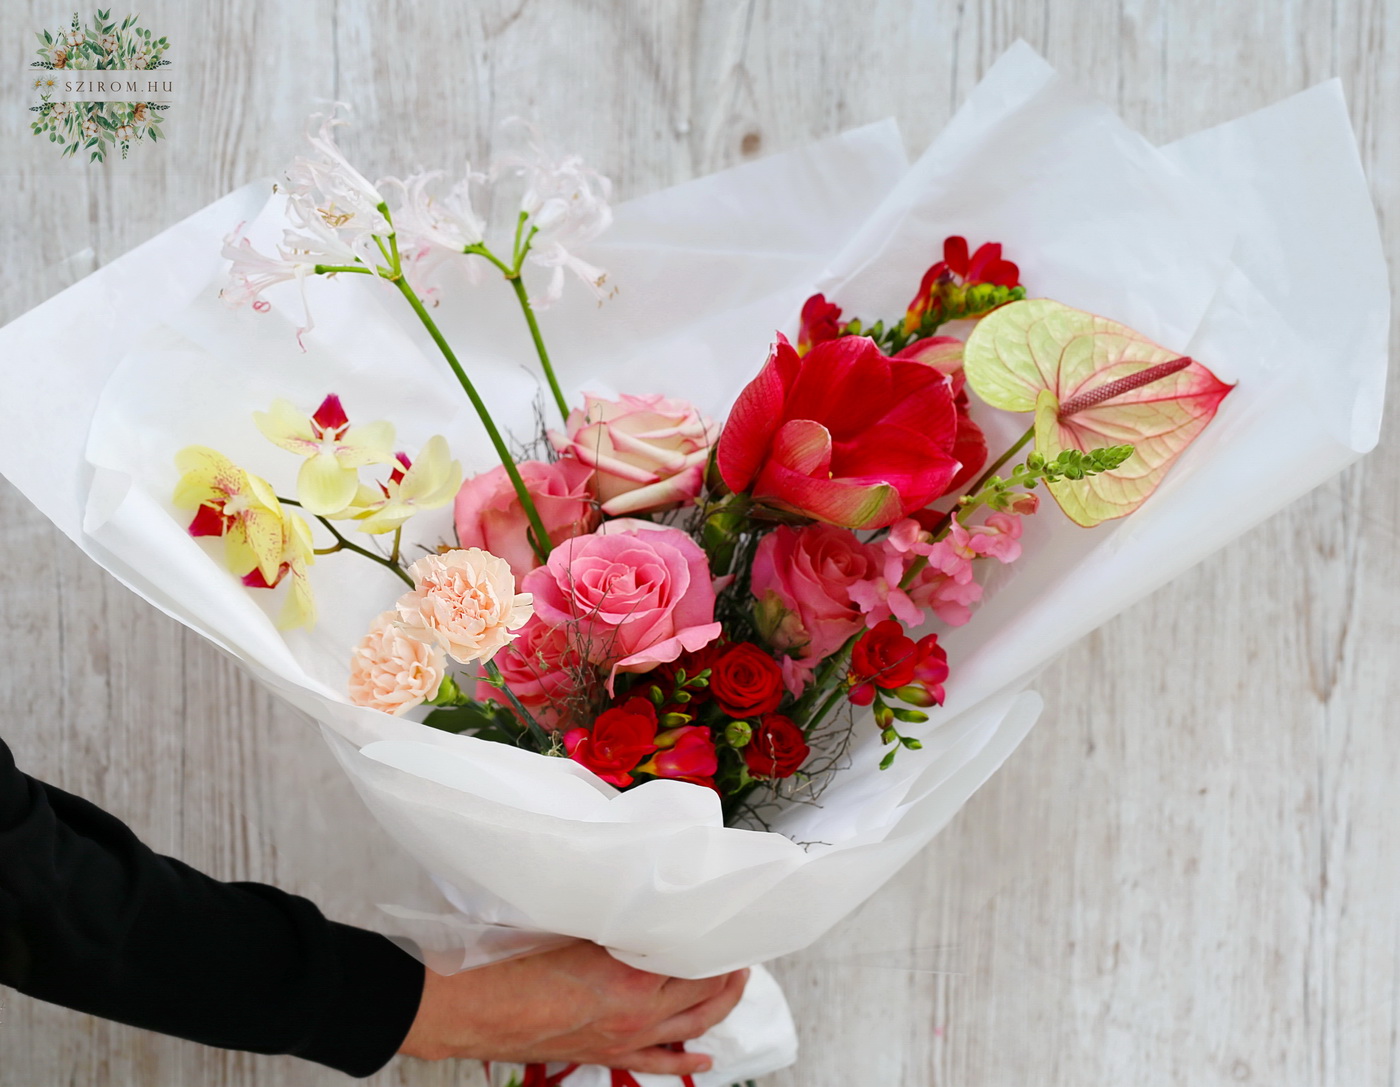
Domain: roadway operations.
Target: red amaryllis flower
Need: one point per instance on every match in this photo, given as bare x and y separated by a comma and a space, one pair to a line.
984, 266
843, 435
686, 754
777, 749
944, 354
619, 739
821, 321
886, 657
746, 681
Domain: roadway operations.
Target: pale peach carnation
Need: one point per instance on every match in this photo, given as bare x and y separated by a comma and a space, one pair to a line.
393, 671
465, 601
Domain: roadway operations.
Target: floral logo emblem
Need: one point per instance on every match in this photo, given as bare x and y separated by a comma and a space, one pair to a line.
101, 45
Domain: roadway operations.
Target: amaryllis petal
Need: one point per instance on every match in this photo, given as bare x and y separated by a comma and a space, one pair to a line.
756, 415
1042, 356
803, 445
843, 502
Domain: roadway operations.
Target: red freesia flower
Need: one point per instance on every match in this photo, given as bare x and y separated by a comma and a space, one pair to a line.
956, 267
619, 739
843, 435
777, 749
888, 658
821, 321
686, 753
746, 682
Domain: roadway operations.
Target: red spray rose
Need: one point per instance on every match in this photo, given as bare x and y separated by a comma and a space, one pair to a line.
777, 749
619, 739
843, 435
746, 682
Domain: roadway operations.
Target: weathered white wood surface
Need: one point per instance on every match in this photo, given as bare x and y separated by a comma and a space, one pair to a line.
1187, 874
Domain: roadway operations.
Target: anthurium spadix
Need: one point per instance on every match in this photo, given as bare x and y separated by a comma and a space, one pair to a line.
1091, 383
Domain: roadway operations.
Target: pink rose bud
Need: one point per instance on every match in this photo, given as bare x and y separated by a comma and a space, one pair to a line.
647, 452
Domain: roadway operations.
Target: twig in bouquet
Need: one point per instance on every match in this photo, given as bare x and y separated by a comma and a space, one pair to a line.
494, 677
342, 544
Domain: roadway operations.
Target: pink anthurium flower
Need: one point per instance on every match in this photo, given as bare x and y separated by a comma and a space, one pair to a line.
335, 451
1092, 383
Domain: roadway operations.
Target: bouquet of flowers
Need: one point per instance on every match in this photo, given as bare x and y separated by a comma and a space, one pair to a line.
643, 677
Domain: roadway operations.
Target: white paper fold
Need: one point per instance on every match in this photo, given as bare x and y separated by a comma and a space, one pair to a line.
1225, 246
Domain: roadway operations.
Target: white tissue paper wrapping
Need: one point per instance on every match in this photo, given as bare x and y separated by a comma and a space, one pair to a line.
1224, 246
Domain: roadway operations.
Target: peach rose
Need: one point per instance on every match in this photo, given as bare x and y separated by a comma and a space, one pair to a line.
393, 671
647, 452
464, 601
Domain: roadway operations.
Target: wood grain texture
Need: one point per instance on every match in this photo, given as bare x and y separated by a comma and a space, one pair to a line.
1187, 874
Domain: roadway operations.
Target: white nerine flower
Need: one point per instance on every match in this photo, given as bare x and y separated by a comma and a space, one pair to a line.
567, 204
449, 222
253, 272
326, 185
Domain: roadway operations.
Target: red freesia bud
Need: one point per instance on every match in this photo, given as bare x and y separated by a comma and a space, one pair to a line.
746, 682
777, 749
821, 321
619, 739
330, 416
686, 753
843, 435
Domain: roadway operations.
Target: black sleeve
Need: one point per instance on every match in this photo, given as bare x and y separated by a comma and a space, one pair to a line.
92, 919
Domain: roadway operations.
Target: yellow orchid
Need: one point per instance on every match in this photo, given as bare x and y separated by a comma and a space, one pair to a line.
425, 484
330, 478
298, 552
234, 504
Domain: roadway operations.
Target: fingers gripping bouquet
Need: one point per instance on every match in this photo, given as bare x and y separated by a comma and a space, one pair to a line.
655, 595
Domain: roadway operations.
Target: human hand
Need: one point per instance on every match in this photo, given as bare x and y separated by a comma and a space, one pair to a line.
575, 1003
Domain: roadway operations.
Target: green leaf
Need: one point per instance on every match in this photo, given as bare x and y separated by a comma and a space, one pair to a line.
476, 717
1036, 355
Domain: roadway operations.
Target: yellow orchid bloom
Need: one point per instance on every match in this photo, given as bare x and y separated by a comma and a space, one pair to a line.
234, 504
425, 484
335, 451
298, 552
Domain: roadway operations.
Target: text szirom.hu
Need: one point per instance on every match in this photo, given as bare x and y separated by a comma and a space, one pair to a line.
100, 85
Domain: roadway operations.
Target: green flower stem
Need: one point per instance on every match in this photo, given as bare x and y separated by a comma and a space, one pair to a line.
947, 519
541, 737
512, 275
539, 537
826, 707
342, 544
520, 293
332, 269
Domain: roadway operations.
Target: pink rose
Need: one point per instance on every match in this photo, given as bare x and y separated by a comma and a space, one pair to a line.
647, 452
489, 514
392, 671
464, 601
544, 670
633, 595
802, 579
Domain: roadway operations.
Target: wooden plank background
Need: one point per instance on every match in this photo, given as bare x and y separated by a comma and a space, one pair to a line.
1187, 874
